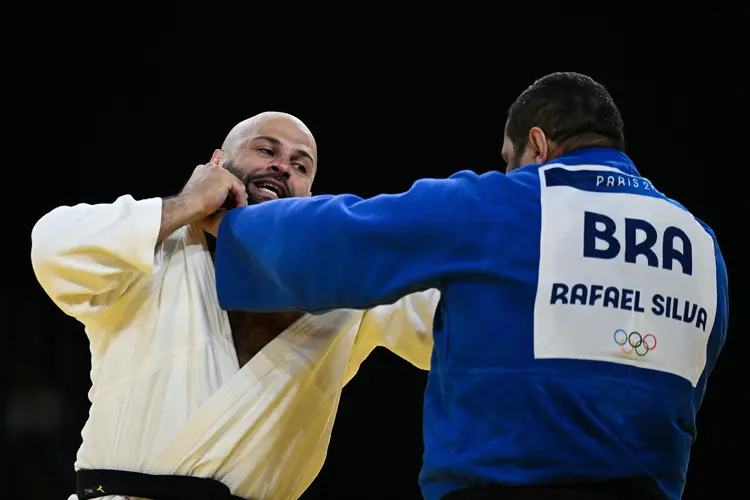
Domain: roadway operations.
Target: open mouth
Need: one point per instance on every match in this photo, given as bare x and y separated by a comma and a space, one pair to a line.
270, 189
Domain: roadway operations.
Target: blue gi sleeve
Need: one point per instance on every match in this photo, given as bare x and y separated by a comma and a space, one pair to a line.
327, 252
721, 324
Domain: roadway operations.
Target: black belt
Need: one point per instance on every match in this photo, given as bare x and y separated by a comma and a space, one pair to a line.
95, 483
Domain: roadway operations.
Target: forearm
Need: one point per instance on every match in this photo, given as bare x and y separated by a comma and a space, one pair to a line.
306, 254
176, 212
330, 252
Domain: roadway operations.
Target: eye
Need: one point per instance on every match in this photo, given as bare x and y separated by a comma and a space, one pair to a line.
301, 167
266, 151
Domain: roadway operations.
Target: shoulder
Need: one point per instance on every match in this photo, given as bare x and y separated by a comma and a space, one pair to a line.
703, 224
469, 181
720, 264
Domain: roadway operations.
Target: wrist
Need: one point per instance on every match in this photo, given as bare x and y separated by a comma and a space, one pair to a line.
181, 210
191, 208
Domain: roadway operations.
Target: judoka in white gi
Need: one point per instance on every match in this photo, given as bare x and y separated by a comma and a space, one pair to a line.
178, 386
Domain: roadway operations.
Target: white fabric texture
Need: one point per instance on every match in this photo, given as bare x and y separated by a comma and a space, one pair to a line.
168, 395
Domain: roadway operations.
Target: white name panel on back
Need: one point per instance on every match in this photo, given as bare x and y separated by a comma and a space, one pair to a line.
625, 276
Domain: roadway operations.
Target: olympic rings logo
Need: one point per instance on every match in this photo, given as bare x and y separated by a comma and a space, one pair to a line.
634, 341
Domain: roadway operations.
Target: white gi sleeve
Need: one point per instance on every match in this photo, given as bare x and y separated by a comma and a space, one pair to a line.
86, 256
404, 327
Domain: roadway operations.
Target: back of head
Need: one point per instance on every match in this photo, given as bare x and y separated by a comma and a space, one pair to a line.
572, 110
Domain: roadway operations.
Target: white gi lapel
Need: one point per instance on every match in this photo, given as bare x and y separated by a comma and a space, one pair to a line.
304, 339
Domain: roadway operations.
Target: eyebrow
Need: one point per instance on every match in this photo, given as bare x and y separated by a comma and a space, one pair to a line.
277, 142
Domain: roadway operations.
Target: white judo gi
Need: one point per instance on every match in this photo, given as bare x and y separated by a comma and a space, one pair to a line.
168, 395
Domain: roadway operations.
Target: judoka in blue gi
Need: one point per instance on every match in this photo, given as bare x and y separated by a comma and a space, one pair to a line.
582, 310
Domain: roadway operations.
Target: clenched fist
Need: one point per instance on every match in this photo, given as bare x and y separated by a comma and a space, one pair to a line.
210, 186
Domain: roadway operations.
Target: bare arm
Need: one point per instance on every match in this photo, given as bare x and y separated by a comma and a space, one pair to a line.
177, 212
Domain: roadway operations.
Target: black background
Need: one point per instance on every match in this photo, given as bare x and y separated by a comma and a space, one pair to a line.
118, 99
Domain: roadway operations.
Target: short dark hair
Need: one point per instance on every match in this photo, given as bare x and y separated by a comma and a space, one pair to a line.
572, 109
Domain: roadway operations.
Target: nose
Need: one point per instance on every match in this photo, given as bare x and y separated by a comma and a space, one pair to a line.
281, 168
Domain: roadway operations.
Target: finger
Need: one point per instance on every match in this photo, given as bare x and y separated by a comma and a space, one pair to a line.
239, 193
237, 189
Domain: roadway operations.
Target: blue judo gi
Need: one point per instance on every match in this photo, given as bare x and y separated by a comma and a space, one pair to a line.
582, 311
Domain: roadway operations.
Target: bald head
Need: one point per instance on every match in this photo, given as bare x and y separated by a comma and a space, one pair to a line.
247, 129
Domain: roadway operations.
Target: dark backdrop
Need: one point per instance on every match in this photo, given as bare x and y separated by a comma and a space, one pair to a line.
129, 101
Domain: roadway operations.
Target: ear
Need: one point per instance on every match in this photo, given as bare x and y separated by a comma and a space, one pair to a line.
217, 156
538, 145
